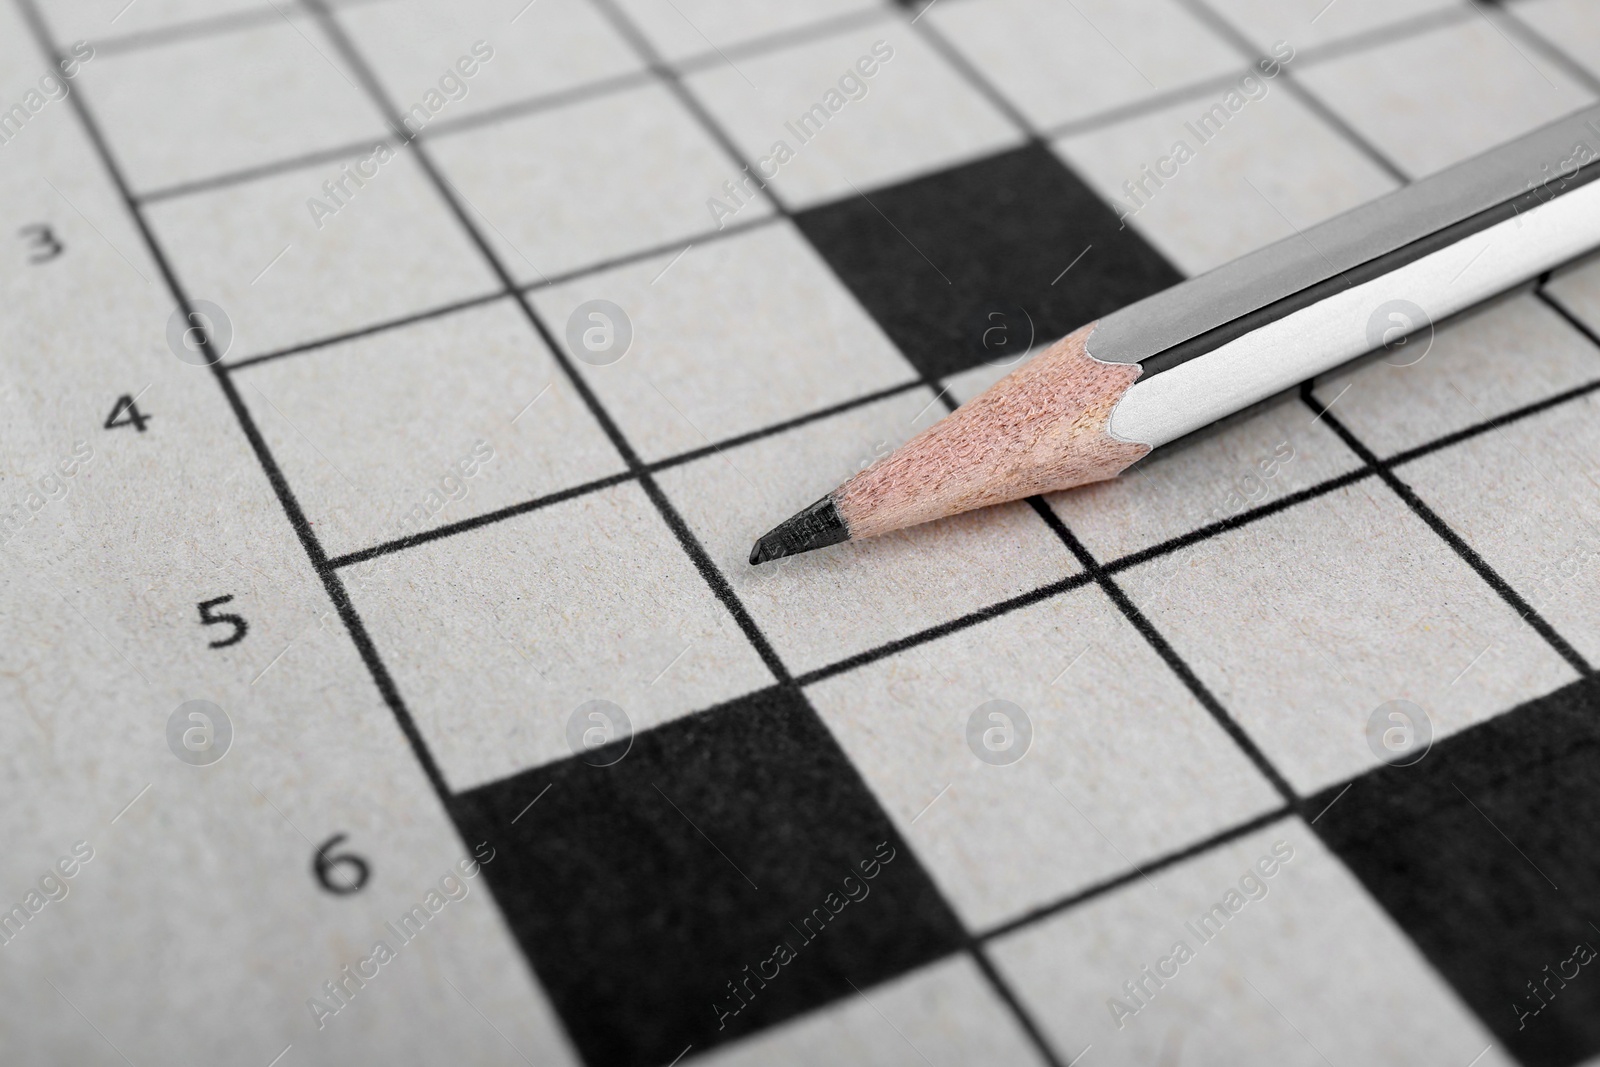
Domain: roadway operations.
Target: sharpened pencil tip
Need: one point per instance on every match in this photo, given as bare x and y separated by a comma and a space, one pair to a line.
817, 526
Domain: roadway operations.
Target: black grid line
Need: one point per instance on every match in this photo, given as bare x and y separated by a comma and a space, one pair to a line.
1008, 996
367, 331
943, 629
781, 39
271, 168
1386, 34
1145, 105
533, 105
188, 30
1495, 423
549, 281
488, 518
508, 112
1555, 304
398, 544
1143, 870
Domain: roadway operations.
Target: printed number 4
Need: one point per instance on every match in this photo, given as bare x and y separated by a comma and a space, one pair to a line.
240, 627
126, 413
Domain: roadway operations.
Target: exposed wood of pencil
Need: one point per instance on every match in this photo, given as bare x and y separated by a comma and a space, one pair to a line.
1040, 429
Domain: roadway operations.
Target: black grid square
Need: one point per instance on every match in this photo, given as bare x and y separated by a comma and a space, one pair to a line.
937, 259
642, 889
1485, 853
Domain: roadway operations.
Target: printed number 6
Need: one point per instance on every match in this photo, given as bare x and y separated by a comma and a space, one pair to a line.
240, 627
322, 866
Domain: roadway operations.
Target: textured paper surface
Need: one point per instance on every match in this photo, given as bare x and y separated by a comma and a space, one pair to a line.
452, 544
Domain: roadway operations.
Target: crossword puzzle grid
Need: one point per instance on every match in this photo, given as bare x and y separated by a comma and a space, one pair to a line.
1198, 647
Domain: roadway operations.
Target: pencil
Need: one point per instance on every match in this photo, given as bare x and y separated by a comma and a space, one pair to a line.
1101, 398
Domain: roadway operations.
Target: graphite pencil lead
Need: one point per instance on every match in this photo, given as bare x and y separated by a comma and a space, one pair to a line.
817, 526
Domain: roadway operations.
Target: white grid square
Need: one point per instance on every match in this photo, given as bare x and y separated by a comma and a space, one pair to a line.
708, 29
945, 1015
1261, 173
1220, 473
1538, 524
533, 50
823, 606
1108, 722
1498, 358
912, 115
547, 209
226, 102
733, 336
1303, 623
371, 459
1122, 51
1436, 98
497, 635
1308, 971
286, 275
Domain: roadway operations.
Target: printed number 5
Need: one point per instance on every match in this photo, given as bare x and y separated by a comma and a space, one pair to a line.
46, 246
240, 627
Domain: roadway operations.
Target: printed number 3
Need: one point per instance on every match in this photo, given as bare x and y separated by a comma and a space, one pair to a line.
207, 618
42, 239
